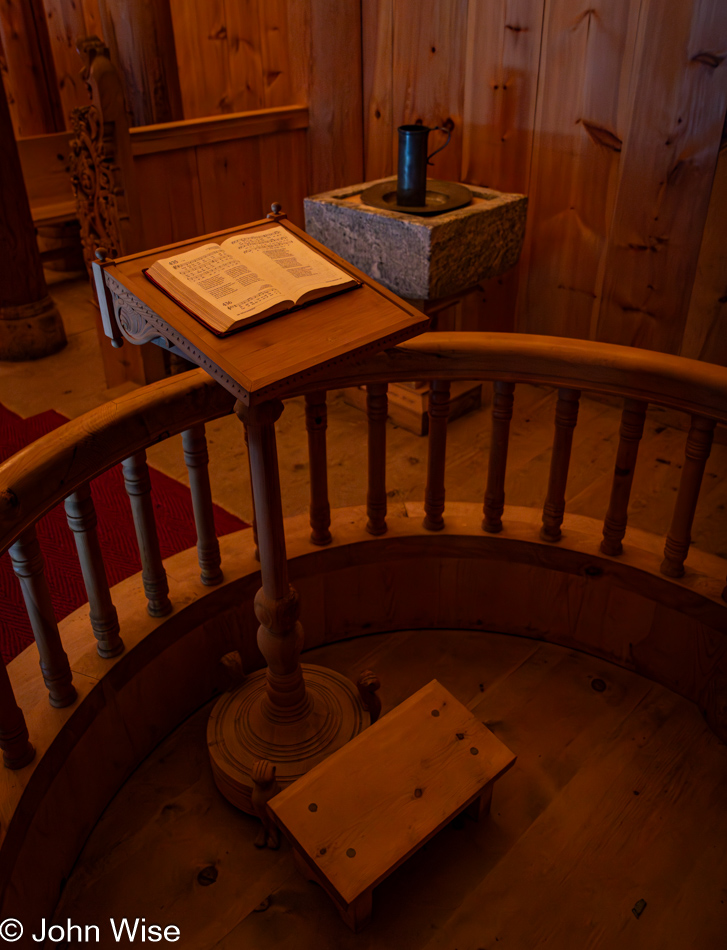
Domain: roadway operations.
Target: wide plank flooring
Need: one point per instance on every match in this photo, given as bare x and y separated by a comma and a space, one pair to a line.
619, 795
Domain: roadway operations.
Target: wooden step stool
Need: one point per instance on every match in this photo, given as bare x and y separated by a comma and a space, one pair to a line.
357, 816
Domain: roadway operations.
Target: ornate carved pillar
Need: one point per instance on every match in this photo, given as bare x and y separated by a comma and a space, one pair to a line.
30, 325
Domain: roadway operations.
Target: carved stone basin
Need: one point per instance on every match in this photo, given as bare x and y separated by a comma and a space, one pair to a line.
422, 258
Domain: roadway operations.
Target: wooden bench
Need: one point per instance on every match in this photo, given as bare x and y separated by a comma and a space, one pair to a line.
357, 816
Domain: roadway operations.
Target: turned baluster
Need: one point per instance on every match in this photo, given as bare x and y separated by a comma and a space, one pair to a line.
81, 516
29, 568
377, 409
252, 494
153, 575
17, 750
280, 635
196, 458
494, 506
316, 422
566, 416
437, 454
632, 428
699, 444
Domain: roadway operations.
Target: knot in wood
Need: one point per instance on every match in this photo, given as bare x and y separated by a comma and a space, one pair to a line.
277, 616
264, 413
8, 501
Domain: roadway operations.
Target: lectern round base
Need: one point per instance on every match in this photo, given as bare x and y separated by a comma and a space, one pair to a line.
240, 731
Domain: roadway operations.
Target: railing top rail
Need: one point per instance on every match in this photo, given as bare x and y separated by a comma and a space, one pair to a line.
42, 474
688, 385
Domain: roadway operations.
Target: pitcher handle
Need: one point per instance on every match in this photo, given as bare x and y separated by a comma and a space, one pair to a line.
440, 128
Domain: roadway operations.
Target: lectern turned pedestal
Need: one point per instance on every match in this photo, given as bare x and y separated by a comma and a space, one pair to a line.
289, 714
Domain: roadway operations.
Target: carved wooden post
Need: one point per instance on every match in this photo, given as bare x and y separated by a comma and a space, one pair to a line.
280, 635
699, 445
494, 506
566, 416
28, 565
252, 494
632, 428
377, 409
437, 455
30, 325
17, 750
316, 422
196, 459
81, 516
153, 575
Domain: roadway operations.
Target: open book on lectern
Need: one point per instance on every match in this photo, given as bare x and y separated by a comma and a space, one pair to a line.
248, 278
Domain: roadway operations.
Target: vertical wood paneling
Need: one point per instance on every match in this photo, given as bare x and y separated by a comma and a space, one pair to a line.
140, 37
503, 54
668, 167
283, 176
275, 41
66, 25
335, 134
242, 43
169, 192
585, 62
230, 183
429, 45
501, 82
200, 36
705, 335
378, 78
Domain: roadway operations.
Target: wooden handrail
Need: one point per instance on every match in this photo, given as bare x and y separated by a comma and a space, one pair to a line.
688, 385
42, 474
47, 471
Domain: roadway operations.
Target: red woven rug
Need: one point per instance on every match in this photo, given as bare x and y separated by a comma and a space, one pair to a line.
175, 525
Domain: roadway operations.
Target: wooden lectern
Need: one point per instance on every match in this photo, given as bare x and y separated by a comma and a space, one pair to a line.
291, 715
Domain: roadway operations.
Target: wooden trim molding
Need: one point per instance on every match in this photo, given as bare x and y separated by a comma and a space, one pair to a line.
188, 133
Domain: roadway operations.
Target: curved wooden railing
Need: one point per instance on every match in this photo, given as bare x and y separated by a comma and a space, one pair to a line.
61, 465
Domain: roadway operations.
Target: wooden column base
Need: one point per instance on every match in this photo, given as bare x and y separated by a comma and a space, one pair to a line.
31, 330
239, 734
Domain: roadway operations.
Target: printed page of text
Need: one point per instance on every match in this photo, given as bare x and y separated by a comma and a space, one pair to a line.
224, 281
297, 268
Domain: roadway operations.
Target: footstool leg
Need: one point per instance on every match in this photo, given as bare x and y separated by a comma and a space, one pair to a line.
480, 807
358, 913
304, 867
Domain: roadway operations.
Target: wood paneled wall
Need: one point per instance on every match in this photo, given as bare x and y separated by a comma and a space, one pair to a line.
236, 55
609, 115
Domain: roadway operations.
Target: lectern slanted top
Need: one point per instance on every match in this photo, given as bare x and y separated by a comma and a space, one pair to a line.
268, 359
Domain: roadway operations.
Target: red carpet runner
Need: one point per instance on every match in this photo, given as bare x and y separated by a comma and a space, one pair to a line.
175, 524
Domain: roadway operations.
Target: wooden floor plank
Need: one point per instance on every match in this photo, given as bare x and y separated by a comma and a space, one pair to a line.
567, 852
